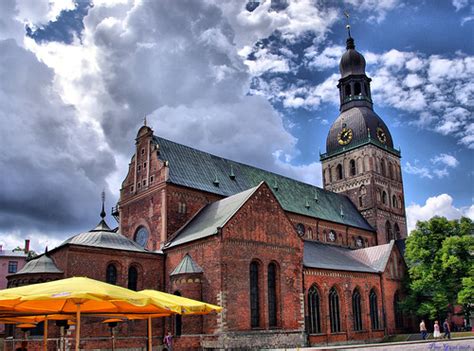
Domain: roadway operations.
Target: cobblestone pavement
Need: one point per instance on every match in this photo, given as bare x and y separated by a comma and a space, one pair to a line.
442, 345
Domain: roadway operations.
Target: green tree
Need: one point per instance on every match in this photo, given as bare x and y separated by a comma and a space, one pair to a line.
440, 258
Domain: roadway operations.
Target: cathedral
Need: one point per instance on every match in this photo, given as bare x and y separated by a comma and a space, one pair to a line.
291, 264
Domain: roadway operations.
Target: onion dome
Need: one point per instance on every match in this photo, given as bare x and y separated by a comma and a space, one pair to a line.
352, 62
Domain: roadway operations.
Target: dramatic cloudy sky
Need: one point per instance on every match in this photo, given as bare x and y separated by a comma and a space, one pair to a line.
76, 79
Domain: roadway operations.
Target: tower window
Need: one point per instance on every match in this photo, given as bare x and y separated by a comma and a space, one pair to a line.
382, 167
314, 318
388, 231
357, 89
396, 230
352, 166
384, 197
347, 90
394, 202
339, 172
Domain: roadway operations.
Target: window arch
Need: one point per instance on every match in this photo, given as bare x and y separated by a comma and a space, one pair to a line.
310, 233
272, 295
133, 278
390, 171
374, 310
254, 295
178, 321
314, 318
339, 174
396, 230
382, 167
356, 310
384, 197
388, 231
398, 311
394, 201
111, 274
357, 89
334, 314
352, 167
347, 90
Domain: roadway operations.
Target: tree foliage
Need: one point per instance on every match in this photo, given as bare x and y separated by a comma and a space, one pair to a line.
440, 258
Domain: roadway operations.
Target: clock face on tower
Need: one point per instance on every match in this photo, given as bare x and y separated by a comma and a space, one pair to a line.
345, 136
381, 135
141, 237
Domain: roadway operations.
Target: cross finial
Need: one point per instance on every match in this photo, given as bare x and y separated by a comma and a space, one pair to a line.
348, 26
102, 213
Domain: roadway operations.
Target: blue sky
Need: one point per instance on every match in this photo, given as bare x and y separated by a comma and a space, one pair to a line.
258, 87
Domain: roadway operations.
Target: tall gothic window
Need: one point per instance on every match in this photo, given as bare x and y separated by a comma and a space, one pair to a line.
272, 295
132, 278
334, 314
388, 231
394, 201
356, 310
352, 166
254, 295
382, 167
384, 197
398, 311
339, 172
111, 274
314, 318
374, 311
396, 230
178, 321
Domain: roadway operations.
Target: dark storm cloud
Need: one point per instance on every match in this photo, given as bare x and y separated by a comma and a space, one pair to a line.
52, 166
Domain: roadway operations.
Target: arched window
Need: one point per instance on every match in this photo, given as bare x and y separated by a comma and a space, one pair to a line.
400, 203
362, 190
357, 89
382, 167
111, 274
352, 167
314, 318
394, 201
374, 310
334, 315
254, 295
390, 171
384, 197
347, 90
272, 295
310, 233
339, 171
396, 230
178, 322
398, 311
356, 310
388, 231
132, 278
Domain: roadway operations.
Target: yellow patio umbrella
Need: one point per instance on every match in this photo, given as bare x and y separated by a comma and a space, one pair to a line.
184, 305
77, 295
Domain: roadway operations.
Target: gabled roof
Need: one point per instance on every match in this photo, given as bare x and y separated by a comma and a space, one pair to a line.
200, 170
41, 264
374, 256
212, 217
325, 256
370, 259
187, 265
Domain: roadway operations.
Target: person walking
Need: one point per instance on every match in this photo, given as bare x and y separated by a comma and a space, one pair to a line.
447, 329
168, 341
436, 331
423, 330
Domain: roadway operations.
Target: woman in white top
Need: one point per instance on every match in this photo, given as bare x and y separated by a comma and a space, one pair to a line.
436, 333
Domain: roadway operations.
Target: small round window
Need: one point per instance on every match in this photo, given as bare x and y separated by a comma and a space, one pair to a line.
141, 236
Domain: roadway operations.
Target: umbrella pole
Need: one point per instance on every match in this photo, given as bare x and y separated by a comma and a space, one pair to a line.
45, 334
78, 327
150, 343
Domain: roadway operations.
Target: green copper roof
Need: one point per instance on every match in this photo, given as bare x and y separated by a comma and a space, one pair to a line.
186, 266
199, 170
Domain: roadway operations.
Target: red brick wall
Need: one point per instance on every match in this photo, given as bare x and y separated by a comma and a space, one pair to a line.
261, 231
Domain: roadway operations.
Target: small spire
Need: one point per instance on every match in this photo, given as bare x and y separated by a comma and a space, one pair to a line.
368, 133
102, 213
350, 40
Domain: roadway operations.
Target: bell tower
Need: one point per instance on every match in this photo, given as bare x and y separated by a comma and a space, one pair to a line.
360, 160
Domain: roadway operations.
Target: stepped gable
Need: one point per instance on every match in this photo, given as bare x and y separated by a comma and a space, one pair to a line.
202, 171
